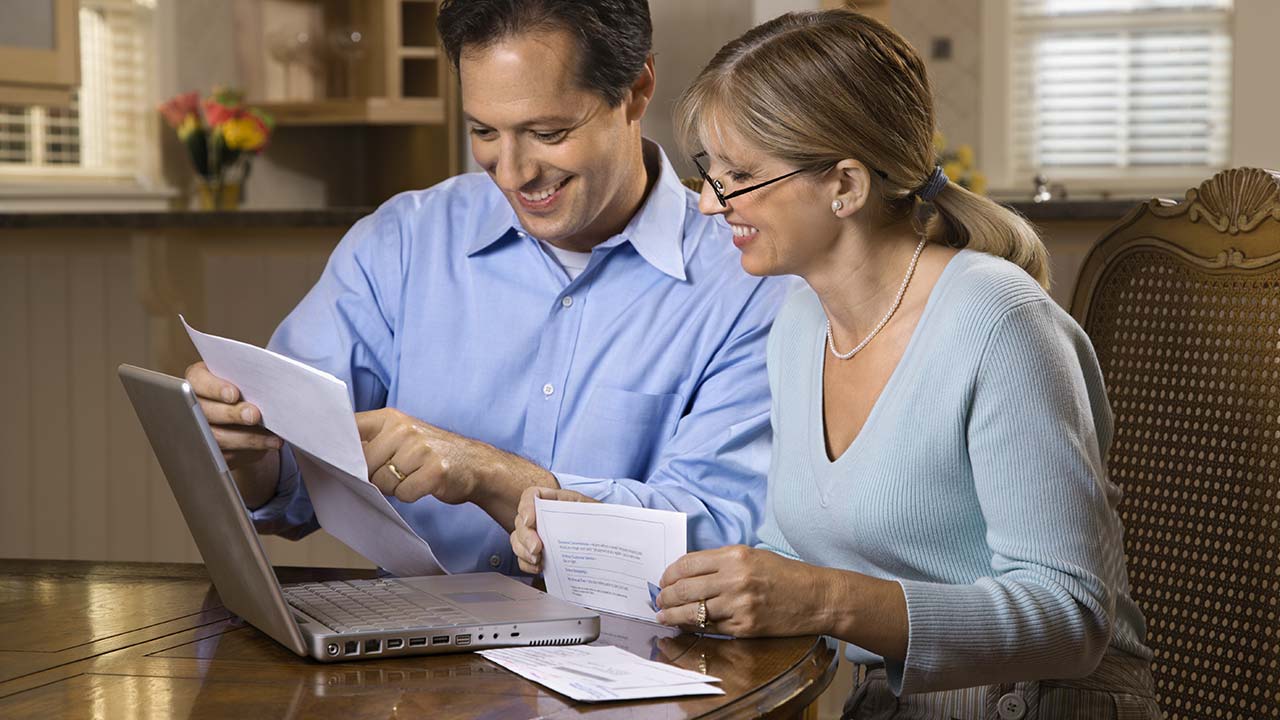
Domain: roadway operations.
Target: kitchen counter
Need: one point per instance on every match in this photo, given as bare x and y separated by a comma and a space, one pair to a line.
1057, 210
330, 217
1054, 210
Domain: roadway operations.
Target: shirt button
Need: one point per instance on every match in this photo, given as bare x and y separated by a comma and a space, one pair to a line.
496, 560
1011, 707
548, 389
566, 301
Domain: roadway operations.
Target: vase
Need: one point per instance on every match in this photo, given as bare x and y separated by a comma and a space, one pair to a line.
218, 195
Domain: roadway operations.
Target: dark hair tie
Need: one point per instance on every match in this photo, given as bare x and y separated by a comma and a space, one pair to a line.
933, 185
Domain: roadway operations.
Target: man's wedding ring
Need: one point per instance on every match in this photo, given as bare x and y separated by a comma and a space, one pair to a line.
395, 471
702, 615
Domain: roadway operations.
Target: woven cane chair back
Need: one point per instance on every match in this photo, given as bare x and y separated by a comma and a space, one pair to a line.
1182, 303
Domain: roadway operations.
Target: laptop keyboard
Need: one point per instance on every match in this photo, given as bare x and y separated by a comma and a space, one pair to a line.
371, 605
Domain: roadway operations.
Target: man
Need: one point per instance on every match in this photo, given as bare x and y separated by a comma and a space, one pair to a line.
570, 321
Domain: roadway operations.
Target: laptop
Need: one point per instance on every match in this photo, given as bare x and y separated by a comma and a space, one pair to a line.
331, 621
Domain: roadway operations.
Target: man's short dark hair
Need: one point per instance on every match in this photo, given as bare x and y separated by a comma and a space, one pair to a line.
614, 37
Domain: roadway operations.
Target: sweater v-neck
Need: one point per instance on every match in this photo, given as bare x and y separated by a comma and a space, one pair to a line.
823, 464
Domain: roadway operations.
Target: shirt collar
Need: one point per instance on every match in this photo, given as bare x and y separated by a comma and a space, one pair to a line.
656, 231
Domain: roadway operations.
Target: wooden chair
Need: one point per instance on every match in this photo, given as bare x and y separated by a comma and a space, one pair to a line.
1182, 302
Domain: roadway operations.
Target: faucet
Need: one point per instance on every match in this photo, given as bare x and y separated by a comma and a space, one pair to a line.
1042, 193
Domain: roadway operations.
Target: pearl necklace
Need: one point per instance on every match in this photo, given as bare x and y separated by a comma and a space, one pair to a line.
911, 269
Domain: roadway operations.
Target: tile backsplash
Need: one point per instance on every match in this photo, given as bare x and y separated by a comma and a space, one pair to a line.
956, 80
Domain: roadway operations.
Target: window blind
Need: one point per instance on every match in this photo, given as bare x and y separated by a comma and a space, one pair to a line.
102, 131
1106, 84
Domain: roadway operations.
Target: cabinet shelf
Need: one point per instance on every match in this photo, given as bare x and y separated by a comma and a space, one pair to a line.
420, 52
358, 111
399, 77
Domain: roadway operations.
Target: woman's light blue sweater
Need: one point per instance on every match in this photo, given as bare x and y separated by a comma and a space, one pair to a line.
977, 482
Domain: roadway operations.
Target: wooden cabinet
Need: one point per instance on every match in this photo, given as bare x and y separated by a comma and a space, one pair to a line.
341, 62
371, 63
39, 51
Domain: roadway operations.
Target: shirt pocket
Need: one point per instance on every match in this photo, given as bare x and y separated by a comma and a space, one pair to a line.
621, 432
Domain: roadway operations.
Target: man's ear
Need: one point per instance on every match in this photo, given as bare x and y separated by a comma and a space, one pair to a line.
851, 186
641, 92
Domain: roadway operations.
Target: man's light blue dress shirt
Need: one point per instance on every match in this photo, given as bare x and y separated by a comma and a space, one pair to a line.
641, 382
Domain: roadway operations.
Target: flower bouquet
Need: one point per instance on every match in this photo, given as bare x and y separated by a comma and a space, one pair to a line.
222, 136
958, 165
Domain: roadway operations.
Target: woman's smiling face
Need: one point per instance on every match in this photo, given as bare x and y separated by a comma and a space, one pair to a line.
782, 229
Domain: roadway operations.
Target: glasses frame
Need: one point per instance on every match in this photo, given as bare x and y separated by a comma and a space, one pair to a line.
718, 188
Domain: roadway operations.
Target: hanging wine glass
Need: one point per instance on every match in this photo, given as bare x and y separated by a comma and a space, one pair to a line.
349, 44
287, 46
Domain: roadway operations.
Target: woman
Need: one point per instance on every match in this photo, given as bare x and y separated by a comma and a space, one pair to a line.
937, 495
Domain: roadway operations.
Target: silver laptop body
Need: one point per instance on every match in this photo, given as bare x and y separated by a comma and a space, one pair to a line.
331, 621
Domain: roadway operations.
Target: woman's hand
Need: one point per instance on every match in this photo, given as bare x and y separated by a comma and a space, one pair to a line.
525, 542
748, 593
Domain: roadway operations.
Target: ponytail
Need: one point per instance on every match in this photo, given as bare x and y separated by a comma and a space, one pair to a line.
964, 219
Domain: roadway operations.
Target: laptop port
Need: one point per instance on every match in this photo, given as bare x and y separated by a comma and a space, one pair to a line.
352, 647
417, 642
461, 640
372, 646
395, 643
439, 639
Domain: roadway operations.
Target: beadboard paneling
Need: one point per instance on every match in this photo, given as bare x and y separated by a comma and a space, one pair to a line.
129, 455
17, 533
79, 480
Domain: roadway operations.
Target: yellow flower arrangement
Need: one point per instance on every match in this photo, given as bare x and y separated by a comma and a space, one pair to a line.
958, 164
221, 135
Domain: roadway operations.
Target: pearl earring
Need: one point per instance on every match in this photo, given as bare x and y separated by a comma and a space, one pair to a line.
836, 205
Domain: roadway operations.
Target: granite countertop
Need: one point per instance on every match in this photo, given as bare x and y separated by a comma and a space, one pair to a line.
328, 217
1053, 210
1074, 209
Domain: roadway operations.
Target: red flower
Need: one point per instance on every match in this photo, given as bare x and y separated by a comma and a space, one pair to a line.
179, 107
216, 113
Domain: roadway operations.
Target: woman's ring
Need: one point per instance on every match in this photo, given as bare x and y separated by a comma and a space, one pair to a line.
395, 471
702, 615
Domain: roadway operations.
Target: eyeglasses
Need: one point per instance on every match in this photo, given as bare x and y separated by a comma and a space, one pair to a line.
717, 187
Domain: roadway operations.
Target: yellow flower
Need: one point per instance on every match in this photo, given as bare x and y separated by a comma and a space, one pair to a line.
189, 124
243, 133
978, 183
954, 171
964, 156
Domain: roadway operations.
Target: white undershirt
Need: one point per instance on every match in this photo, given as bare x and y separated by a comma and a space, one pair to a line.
572, 262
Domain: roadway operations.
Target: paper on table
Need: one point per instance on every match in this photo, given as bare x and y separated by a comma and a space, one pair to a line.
605, 556
594, 673
311, 410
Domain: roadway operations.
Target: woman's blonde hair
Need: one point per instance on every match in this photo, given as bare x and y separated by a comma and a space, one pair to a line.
815, 88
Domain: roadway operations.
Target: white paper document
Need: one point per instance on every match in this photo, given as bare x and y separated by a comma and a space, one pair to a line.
311, 410
594, 673
608, 557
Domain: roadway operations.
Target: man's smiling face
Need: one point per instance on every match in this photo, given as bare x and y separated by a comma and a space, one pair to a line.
555, 149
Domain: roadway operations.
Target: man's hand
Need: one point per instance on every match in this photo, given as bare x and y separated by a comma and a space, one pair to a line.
449, 467
525, 542
249, 449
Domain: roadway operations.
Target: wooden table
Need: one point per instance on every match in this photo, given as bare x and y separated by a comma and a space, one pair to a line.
147, 640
